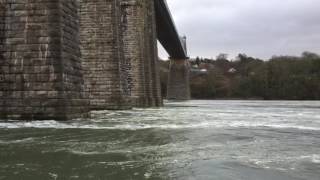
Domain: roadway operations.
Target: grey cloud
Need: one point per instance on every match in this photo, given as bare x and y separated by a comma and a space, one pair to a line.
257, 28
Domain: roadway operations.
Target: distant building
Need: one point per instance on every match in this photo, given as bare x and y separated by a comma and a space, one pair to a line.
206, 66
198, 72
232, 70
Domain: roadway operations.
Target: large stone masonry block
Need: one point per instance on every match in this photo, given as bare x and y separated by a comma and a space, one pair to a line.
107, 73
132, 31
154, 58
40, 65
179, 80
138, 29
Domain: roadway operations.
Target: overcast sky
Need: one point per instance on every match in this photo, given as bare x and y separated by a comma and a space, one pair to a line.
259, 28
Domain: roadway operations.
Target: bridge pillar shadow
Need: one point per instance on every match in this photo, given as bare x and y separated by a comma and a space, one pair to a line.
178, 80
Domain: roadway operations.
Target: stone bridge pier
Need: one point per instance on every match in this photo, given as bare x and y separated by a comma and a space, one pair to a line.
138, 28
40, 64
106, 72
119, 51
61, 59
178, 87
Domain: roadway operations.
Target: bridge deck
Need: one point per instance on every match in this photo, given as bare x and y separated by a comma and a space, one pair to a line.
167, 32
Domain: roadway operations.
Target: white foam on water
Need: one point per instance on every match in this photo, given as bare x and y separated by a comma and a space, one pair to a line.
275, 125
152, 124
17, 141
87, 153
35, 124
282, 163
53, 175
208, 114
315, 158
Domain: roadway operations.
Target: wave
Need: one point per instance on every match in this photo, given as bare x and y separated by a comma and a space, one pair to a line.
132, 125
282, 163
17, 141
315, 158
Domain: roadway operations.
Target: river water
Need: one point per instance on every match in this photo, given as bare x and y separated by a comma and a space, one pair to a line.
200, 140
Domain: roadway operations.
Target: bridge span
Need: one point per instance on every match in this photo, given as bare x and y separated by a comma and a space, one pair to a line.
61, 59
178, 87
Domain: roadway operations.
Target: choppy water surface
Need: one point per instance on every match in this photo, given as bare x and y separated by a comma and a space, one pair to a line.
205, 140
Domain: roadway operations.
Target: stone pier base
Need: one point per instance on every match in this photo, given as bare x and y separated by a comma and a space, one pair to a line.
178, 80
107, 73
139, 38
60, 59
40, 67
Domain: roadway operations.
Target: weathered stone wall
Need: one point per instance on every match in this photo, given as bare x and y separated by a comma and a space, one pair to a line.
147, 57
154, 59
106, 71
140, 48
2, 32
41, 75
178, 87
132, 33
119, 53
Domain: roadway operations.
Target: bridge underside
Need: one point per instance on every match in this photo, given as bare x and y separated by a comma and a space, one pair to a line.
178, 87
167, 33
